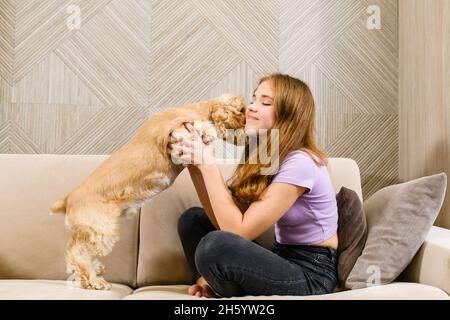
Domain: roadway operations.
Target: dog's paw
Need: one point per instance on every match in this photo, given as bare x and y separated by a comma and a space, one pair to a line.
99, 268
94, 283
206, 130
100, 284
208, 138
181, 132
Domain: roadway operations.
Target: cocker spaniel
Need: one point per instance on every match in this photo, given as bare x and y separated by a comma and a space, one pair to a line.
133, 174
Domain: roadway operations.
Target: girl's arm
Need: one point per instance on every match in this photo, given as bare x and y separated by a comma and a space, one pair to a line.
199, 184
218, 203
202, 193
275, 200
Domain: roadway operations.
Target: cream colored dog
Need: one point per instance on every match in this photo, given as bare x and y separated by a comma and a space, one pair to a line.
133, 174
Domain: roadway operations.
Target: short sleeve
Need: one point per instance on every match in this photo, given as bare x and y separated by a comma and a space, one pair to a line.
298, 169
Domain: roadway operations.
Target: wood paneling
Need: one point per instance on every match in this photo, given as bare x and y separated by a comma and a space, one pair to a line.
87, 90
424, 91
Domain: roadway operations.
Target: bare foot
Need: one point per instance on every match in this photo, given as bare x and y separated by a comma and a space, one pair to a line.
201, 289
195, 290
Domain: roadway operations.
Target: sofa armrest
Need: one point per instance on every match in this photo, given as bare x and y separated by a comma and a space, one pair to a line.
431, 265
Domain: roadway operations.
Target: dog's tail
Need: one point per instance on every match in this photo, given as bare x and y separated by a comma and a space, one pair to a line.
59, 206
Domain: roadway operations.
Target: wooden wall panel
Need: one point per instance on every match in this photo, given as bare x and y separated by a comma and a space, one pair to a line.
88, 90
424, 92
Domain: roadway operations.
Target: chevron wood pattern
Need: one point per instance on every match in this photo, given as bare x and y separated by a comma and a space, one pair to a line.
7, 41
108, 130
249, 27
309, 27
41, 27
373, 140
88, 90
52, 82
14, 138
241, 80
5, 91
365, 69
185, 71
110, 54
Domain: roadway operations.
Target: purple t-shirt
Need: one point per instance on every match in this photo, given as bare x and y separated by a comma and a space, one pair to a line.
313, 218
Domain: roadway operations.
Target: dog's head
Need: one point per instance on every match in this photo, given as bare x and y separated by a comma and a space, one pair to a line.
228, 112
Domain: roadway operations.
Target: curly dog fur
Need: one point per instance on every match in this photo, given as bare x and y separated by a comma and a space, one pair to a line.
133, 174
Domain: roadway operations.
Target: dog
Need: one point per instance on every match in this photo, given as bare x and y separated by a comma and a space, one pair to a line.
132, 175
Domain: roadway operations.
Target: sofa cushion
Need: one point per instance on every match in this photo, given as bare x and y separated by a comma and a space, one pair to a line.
57, 290
431, 265
32, 242
399, 218
352, 231
393, 291
161, 256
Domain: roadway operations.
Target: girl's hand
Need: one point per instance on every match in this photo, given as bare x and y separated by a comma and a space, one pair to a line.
193, 151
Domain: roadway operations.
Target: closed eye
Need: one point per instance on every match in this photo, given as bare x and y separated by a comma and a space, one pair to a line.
264, 104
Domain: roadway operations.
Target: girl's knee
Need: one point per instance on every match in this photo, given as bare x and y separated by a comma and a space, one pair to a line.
188, 218
217, 245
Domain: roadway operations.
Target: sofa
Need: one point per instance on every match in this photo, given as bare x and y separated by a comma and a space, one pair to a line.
148, 262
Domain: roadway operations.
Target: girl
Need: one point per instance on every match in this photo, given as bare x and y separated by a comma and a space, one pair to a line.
298, 198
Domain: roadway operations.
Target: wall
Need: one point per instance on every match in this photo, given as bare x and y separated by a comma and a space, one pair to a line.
87, 90
425, 92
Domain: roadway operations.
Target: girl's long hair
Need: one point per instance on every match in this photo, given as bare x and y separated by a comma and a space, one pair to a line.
294, 118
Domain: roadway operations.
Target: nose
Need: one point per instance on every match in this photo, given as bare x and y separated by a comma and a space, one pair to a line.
251, 107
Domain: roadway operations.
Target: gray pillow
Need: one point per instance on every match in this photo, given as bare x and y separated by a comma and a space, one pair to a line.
399, 218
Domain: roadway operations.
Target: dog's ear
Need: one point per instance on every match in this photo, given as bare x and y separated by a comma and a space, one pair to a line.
233, 101
228, 111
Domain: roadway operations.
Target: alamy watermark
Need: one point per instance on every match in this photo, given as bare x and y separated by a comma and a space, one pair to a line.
73, 21
374, 20
375, 276
257, 143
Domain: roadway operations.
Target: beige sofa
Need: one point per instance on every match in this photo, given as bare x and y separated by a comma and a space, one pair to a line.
148, 261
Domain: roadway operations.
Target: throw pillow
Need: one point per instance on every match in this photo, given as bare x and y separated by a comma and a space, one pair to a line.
352, 232
398, 218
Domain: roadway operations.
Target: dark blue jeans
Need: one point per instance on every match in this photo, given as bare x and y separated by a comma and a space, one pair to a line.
235, 266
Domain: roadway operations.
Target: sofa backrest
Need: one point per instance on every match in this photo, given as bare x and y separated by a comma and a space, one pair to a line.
161, 258
32, 242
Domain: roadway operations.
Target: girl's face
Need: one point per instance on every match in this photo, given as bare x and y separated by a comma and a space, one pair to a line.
260, 113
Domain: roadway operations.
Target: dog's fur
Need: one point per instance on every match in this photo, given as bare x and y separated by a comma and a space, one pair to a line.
136, 172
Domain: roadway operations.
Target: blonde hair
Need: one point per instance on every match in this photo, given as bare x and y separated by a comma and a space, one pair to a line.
294, 118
